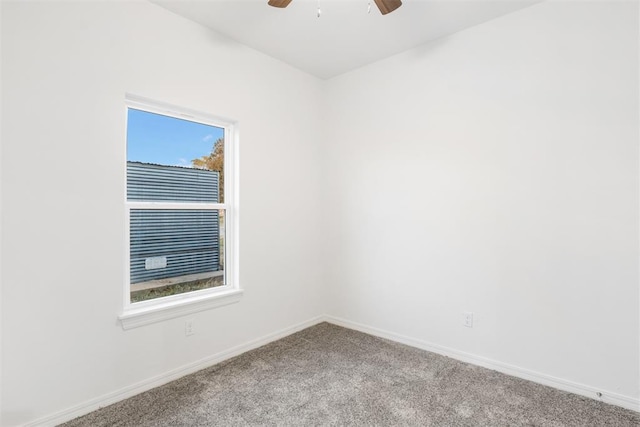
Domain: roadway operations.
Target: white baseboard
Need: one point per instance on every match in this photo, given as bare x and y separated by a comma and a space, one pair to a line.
132, 390
515, 371
142, 386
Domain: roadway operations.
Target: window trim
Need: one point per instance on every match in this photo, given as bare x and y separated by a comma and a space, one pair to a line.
151, 311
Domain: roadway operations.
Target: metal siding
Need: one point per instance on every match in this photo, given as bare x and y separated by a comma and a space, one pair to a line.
190, 239
146, 182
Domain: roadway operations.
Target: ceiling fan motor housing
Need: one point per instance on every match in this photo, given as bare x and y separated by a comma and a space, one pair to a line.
385, 6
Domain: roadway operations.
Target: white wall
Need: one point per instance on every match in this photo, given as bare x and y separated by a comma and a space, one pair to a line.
496, 171
1, 316
65, 69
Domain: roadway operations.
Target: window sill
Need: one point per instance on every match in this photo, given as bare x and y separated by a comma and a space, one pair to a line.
134, 317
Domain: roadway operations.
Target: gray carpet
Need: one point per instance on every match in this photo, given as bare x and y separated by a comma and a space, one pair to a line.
327, 375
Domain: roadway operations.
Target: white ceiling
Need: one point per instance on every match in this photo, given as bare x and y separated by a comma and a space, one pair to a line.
345, 37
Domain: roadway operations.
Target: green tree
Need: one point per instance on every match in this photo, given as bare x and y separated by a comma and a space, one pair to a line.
214, 162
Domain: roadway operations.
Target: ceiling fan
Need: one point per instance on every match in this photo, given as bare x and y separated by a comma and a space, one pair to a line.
385, 6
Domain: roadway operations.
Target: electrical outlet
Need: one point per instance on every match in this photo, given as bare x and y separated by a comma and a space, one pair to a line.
467, 319
188, 328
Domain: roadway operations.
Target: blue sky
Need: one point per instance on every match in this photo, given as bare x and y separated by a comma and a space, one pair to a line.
153, 138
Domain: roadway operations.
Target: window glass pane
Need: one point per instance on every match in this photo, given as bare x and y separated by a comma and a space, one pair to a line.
175, 251
173, 160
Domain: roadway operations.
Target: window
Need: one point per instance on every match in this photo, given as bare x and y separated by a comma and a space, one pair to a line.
180, 212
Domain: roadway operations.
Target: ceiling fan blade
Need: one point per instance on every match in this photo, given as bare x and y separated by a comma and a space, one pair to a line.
387, 6
279, 3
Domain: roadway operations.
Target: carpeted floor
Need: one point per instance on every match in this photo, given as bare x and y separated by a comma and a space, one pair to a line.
327, 375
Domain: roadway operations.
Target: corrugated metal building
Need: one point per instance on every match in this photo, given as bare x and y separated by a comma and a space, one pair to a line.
170, 243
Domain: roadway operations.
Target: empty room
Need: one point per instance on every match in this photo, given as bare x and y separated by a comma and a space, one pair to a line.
320, 212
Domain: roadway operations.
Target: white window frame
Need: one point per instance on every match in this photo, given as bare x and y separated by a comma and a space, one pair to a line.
151, 311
